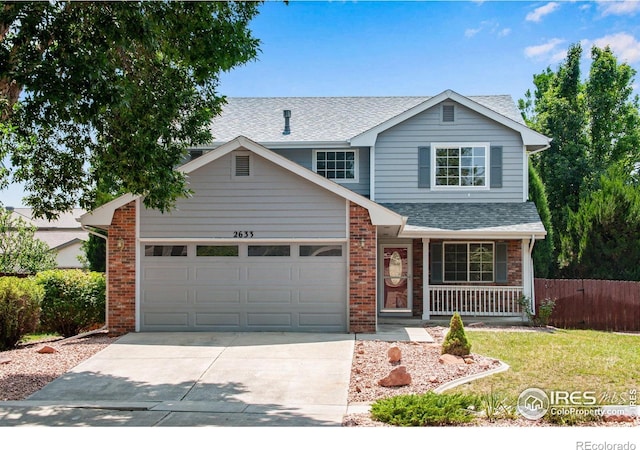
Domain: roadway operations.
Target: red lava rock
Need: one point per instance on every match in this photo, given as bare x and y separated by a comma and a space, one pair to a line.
397, 377
5, 360
618, 418
47, 349
394, 354
451, 359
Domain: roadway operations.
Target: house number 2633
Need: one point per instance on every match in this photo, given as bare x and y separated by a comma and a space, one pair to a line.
243, 234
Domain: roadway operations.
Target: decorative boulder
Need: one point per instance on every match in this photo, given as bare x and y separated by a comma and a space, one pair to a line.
394, 354
451, 359
397, 377
47, 349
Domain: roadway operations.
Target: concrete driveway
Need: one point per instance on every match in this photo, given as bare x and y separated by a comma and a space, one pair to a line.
199, 379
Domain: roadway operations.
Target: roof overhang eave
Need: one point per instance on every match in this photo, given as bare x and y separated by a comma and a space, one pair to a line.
433, 233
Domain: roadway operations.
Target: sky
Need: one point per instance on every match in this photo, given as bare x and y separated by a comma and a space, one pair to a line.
389, 48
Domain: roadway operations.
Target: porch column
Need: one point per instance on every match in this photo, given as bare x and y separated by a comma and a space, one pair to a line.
426, 304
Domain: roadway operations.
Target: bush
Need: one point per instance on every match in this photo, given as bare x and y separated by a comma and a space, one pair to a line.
428, 409
73, 301
19, 309
456, 342
545, 309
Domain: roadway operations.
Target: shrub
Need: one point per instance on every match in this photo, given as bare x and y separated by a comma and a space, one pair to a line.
19, 309
73, 301
545, 309
425, 409
456, 342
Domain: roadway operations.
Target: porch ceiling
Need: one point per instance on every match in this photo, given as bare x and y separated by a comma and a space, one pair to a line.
508, 220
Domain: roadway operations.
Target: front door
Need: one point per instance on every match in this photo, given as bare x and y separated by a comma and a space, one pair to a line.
396, 277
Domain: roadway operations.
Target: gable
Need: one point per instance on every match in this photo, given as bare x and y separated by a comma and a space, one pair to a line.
244, 192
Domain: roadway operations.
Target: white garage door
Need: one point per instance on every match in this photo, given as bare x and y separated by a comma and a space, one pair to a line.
243, 287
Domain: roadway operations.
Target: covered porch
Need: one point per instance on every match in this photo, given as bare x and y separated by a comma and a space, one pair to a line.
472, 259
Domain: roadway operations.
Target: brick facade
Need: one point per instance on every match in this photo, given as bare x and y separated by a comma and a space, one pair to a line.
362, 271
121, 270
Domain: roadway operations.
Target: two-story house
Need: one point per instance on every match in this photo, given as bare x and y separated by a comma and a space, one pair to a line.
324, 214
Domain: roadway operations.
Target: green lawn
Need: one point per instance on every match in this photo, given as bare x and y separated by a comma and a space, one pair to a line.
567, 360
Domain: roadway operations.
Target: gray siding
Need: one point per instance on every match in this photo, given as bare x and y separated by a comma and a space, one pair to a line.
272, 203
304, 157
397, 157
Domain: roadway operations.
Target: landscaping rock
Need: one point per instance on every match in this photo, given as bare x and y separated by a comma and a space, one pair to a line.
433, 379
397, 377
451, 359
394, 354
469, 361
47, 349
5, 360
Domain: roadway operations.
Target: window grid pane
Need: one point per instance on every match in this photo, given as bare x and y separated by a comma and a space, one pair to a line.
336, 165
460, 166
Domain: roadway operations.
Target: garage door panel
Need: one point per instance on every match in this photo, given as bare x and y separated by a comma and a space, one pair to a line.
269, 319
223, 273
269, 274
218, 319
319, 319
166, 319
163, 295
265, 296
171, 273
321, 297
211, 295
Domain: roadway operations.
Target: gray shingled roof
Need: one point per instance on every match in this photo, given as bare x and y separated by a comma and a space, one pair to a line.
508, 217
324, 119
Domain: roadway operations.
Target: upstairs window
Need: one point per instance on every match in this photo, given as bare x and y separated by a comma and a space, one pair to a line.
337, 165
460, 166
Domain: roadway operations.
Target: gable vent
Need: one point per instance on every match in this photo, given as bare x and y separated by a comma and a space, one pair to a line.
447, 113
242, 166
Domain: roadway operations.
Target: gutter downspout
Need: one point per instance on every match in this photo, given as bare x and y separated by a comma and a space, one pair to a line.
106, 303
532, 275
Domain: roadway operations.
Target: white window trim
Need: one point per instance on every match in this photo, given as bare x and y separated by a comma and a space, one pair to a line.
356, 164
468, 243
487, 166
233, 165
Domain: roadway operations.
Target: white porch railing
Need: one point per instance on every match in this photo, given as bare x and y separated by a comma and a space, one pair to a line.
475, 300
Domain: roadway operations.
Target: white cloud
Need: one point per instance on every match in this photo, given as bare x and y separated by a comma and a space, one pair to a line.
619, 8
548, 51
537, 14
504, 32
471, 32
625, 46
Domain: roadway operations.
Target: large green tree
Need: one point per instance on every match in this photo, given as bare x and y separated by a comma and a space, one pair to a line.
605, 230
595, 125
107, 95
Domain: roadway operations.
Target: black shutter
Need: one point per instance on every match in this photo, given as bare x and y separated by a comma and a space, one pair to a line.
496, 167
501, 262
436, 262
424, 167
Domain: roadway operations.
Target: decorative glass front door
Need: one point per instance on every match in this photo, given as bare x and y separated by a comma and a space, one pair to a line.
396, 278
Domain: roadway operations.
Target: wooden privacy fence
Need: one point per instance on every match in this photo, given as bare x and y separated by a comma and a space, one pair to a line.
595, 304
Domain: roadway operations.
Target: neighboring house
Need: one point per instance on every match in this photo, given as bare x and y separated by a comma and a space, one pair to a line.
323, 214
64, 236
